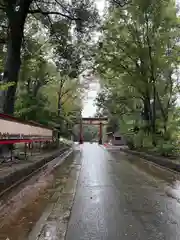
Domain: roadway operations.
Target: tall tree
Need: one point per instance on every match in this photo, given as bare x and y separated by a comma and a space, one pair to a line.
81, 14
137, 61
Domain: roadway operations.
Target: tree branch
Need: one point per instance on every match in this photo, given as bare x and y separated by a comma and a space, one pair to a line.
121, 3
62, 6
35, 11
67, 91
65, 100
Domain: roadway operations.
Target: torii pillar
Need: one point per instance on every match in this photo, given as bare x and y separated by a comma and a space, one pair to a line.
81, 133
100, 133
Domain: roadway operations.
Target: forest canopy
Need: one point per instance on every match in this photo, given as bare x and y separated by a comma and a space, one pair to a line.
138, 64
44, 48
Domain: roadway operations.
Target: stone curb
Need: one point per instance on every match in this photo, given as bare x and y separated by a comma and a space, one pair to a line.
164, 162
16, 176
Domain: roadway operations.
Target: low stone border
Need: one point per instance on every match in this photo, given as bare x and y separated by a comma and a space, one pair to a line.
11, 179
165, 162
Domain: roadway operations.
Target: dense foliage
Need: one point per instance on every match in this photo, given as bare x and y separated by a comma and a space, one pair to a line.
44, 47
138, 63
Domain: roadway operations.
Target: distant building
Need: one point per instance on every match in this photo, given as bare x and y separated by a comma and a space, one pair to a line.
116, 138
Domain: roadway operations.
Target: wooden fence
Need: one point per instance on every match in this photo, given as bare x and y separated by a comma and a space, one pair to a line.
14, 130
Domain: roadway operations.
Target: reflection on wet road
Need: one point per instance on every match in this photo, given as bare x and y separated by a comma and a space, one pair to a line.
120, 197
94, 195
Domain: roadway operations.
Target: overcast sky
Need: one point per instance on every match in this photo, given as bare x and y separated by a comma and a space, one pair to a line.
89, 107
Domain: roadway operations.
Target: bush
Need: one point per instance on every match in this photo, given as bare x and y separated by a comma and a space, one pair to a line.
130, 143
167, 149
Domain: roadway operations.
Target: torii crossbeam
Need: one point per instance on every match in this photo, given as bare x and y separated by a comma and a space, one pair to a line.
92, 121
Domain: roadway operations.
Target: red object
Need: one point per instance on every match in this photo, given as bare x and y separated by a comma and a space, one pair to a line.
100, 130
28, 139
81, 133
22, 141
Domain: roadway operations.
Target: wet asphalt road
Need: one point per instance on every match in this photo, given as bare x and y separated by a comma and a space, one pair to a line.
96, 194
117, 199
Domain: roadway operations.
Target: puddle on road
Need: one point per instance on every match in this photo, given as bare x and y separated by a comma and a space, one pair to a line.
19, 213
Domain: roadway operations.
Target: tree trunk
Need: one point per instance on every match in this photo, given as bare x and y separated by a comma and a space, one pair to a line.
11, 72
147, 112
16, 19
154, 116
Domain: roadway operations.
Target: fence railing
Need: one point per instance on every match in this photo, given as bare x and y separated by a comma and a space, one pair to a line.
16, 131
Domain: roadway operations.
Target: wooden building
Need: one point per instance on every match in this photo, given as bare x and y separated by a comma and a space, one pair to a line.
115, 139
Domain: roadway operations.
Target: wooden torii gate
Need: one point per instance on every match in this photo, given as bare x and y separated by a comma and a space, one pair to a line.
92, 121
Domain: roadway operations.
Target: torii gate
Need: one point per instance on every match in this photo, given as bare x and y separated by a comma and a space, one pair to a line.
94, 121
